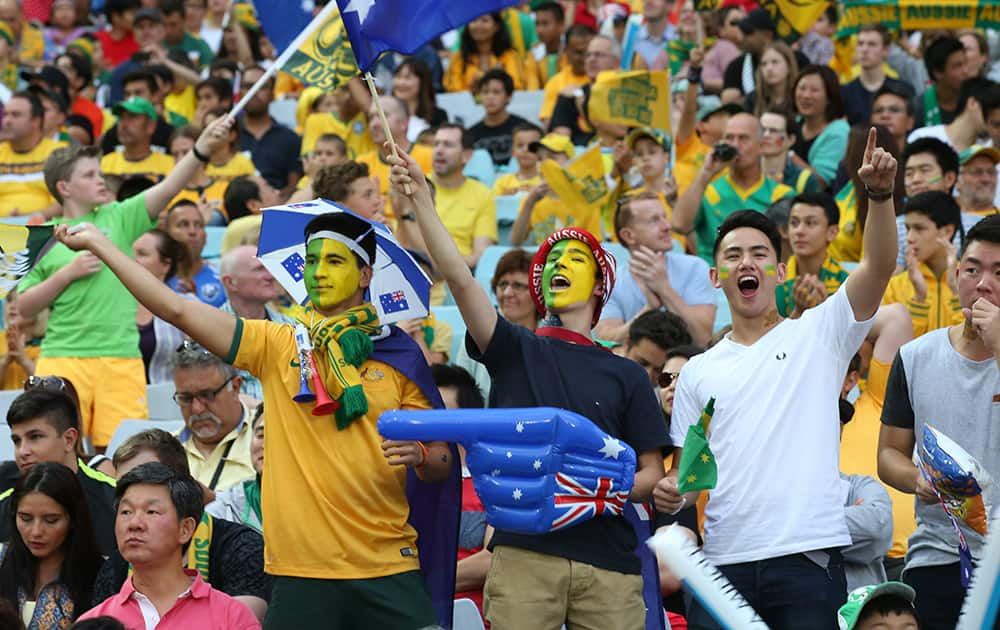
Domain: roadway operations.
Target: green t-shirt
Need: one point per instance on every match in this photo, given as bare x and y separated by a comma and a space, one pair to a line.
194, 47
722, 198
94, 316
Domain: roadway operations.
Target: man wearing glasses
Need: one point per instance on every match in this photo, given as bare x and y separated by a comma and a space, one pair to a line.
216, 434
893, 109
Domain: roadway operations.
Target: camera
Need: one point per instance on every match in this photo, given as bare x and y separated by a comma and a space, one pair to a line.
724, 152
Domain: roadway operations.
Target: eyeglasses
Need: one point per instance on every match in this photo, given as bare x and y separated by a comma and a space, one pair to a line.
733, 23
666, 379
207, 396
516, 286
888, 109
53, 383
980, 172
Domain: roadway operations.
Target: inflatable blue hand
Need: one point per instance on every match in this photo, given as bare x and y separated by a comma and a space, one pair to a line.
536, 470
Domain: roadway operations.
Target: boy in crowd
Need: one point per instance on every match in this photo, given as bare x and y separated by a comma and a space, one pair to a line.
330, 150
527, 175
886, 606
812, 275
651, 155
494, 132
927, 286
928, 164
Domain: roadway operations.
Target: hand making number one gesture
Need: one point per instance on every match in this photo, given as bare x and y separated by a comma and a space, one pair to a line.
878, 170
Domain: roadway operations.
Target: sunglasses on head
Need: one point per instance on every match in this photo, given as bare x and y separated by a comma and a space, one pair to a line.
53, 383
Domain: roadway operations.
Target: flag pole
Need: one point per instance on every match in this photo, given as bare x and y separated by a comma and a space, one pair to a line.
280, 62
370, 81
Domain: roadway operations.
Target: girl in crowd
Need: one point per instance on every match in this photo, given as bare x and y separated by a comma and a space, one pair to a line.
485, 43
823, 136
49, 567
162, 256
412, 83
775, 79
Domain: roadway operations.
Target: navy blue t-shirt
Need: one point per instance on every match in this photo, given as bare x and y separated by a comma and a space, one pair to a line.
613, 392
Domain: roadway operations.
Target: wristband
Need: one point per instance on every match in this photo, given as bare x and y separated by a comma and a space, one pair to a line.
878, 195
201, 157
694, 75
425, 452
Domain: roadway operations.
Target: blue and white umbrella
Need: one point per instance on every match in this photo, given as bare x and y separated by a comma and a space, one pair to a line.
399, 288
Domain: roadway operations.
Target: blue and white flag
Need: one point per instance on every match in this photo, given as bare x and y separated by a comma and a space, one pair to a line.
375, 26
283, 20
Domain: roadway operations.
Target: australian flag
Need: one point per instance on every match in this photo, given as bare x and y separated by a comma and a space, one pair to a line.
294, 265
579, 500
393, 302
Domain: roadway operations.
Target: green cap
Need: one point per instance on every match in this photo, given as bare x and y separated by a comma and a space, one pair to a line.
656, 135
136, 105
848, 614
976, 150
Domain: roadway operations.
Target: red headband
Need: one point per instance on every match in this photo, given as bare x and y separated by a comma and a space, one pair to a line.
605, 263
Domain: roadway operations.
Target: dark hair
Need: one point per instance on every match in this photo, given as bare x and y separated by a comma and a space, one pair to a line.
580, 30
937, 53
986, 93
81, 66
57, 408
335, 139
552, 7
37, 109
224, 64
9, 618
778, 211
748, 219
104, 622
831, 14
82, 122
223, 89
55, 384
721, 15
169, 7
515, 260
501, 40
944, 155
142, 75
986, 230
185, 493
82, 558
525, 126
469, 396
822, 200
465, 137
164, 75
877, 27
663, 328
831, 86
333, 182
939, 207
686, 351
170, 250
239, 193
898, 92
791, 125
132, 186
350, 226
884, 605
426, 102
112, 7
496, 74
166, 447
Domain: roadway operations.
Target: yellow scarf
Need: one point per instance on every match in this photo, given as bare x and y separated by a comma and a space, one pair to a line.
346, 340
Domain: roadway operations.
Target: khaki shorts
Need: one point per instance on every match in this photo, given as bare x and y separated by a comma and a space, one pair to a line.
525, 589
111, 389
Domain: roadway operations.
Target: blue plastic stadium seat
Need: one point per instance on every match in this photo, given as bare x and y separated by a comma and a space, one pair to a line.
487, 264
723, 317
480, 167
507, 208
213, 242
451, 316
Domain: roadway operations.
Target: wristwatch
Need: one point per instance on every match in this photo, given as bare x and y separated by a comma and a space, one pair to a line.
409, 216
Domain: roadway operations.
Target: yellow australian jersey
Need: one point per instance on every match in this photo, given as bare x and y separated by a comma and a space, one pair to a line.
689, 158
848, 243
461, 77
335, 508
941, 309
354, 133
551, 214
210, 196
859, 453
14, 376
183, 103
22, 180
468, 212
154, 166
723, 197
830, 273
237, 165
379, 169
555, 85
511, 184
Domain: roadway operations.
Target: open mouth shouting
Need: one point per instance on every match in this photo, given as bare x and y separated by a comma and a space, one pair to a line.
747, 285
558, 283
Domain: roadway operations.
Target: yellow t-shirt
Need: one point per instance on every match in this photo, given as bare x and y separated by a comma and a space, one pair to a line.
462, 77
551, 214
859, 453
336, 509
688, 160
22, 178
15, 375
511, 184
378, 168
211, 196
183, 104
468, 212
154, 166
354, 133
238, 165
849, 242
940, 309
559, 82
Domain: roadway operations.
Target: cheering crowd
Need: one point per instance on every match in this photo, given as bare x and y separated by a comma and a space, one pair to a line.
801, 259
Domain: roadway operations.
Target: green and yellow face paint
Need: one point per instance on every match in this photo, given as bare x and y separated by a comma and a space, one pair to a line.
331, 273
724, 273
569, 275
770, 270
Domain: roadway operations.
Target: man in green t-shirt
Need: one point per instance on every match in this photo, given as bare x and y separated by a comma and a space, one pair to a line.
706, 203
92, 337
177, 37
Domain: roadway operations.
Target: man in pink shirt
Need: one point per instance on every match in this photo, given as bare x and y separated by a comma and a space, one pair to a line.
158, 514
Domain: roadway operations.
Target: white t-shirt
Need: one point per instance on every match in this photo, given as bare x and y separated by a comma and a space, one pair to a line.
775, 434
934, 131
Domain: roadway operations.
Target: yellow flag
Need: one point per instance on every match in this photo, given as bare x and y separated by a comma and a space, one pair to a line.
325, 59
581, 185
636, 99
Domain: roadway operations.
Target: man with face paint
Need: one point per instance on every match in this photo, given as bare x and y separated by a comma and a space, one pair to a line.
339, 499
774, 432
589, 573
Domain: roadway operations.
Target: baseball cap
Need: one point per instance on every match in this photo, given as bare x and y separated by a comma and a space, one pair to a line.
976, 150
758, 20
52, 77
709, 106
148, 14
656, 135
135, 105
555, 142
848, 614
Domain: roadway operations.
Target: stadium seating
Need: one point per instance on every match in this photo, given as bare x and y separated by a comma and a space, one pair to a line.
463, 109
507, 208
213, 242
466, 616
160, 401
451, 316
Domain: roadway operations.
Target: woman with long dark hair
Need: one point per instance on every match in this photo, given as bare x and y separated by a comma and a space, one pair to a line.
485, 43
164, 257
49, 566
413, 84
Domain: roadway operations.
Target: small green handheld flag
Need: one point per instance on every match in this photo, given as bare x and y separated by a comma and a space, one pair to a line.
697, 469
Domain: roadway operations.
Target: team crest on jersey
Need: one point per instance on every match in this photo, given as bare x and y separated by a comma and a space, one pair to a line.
372, 374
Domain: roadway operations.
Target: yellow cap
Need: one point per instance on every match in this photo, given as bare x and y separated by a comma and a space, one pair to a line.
557, 143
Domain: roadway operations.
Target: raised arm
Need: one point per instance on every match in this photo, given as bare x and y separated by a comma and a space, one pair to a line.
686, 124
160, 195
686, 210
207, 325
477, 310
867, 283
